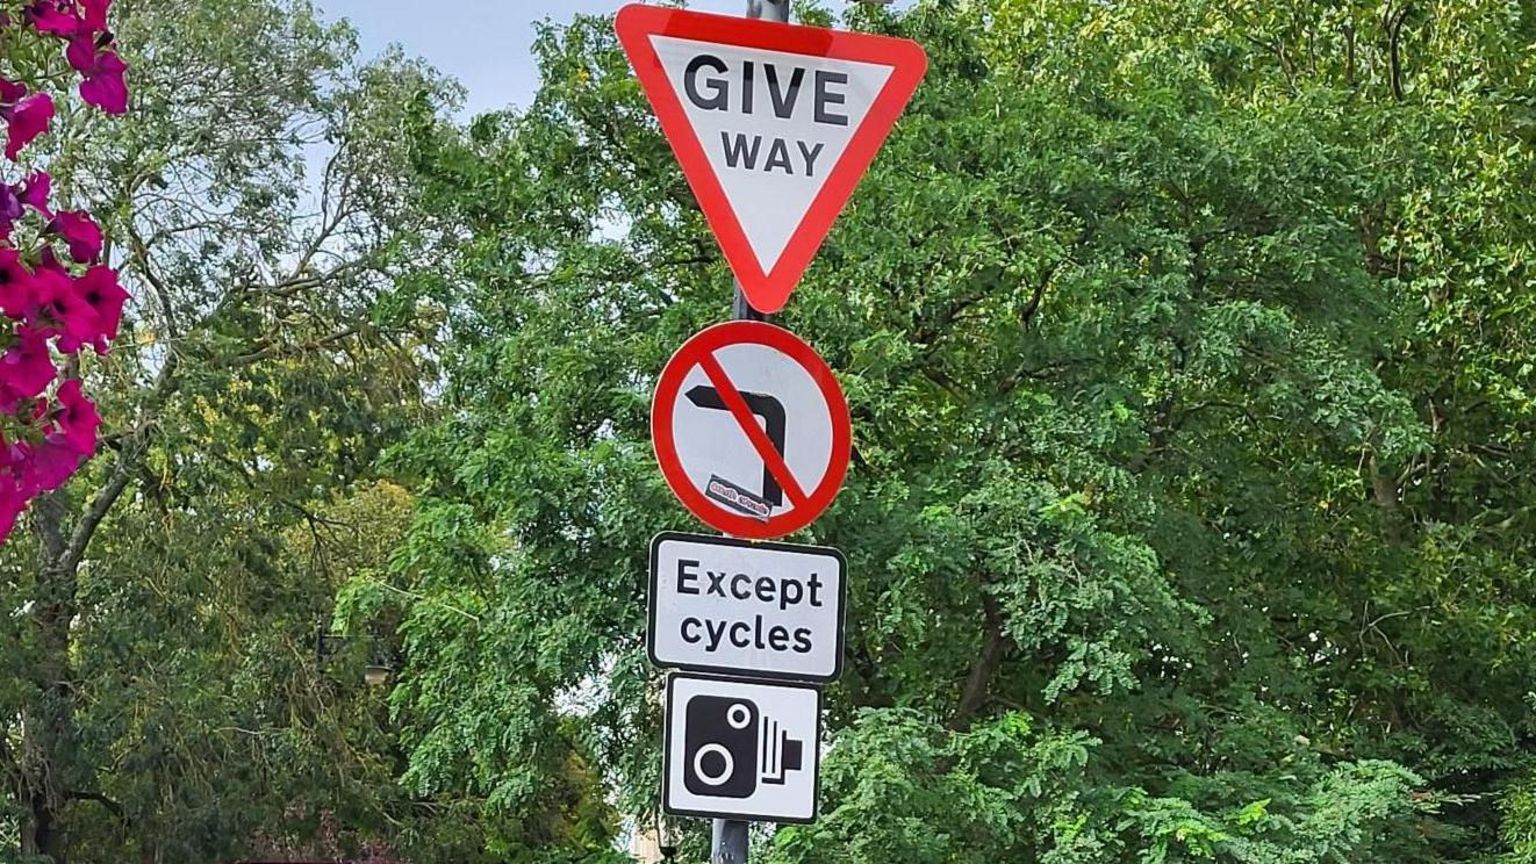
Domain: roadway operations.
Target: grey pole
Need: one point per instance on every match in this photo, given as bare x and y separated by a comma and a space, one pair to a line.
741, 310
728, 844
728, 840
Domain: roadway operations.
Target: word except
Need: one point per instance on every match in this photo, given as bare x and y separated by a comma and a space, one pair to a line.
787, 592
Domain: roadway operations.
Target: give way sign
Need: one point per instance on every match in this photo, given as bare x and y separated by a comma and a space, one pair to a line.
751, 430
774, 125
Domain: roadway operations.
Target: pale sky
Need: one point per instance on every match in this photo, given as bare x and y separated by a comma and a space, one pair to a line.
483, 43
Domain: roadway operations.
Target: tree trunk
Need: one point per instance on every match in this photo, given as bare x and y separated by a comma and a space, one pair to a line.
978, 684
48, 732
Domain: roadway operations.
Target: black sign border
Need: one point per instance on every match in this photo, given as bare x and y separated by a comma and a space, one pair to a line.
737, 671
666, 751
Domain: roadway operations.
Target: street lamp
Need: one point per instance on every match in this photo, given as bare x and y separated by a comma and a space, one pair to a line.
376, 673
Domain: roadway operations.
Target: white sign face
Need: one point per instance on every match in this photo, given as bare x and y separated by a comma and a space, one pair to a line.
738, 750
751, 430
772, 124
789, 406
765, 610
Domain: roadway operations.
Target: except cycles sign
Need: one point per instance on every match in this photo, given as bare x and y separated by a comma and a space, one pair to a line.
768, 610
751, 430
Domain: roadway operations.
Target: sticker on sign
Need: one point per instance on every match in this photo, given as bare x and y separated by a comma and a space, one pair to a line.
751, 430
774, 126
767, 610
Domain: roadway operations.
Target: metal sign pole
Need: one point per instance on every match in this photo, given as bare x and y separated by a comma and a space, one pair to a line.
729, 839
741, 310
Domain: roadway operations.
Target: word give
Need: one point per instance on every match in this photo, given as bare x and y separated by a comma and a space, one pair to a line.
712, 84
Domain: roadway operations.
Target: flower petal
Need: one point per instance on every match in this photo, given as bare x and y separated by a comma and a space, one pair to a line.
77, 419
26, 369
56, 17
95, 13
17, 293
37, 191
81, 232
29, 119
101, 291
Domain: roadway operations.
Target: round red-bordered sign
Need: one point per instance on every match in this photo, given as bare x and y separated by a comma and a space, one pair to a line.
751, 430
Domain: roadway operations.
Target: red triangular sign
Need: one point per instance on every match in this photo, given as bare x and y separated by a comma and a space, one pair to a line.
774, 125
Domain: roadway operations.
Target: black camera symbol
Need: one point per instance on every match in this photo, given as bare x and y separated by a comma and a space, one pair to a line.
730, 747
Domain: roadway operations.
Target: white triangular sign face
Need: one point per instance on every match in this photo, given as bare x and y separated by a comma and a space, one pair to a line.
774, 126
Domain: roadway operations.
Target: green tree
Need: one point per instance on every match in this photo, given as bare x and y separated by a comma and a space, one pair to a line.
1188, 350
159, 696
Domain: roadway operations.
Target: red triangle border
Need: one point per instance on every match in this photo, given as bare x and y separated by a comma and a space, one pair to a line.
768, 291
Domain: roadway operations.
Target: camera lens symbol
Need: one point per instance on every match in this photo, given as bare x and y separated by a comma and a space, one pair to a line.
713, 764
729, 747
720, 747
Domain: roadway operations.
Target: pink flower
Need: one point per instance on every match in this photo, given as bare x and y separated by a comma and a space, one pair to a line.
66, 314
36, 191
100, 290
49, 309
57, 17
83, 311
16, 292
10, 209
103, 86
44, 467
77, 419
26, 368
28, 119
81, 232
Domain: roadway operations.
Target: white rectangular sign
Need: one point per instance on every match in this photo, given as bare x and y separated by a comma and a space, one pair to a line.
766, 610
739, 750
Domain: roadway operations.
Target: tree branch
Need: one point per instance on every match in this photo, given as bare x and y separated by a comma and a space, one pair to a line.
143, 268
115, 808
271, 351
979, 682
1394, 22
128, 459
1027, 314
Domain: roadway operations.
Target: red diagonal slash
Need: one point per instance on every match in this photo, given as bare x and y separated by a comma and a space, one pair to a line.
748, 423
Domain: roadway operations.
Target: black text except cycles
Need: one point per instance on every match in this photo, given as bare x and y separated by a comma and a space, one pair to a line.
747, 631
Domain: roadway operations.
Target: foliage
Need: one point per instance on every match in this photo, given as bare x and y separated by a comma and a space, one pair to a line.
161, 691
1187, 346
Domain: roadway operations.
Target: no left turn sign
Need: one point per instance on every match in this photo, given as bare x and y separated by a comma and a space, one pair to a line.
751, 430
